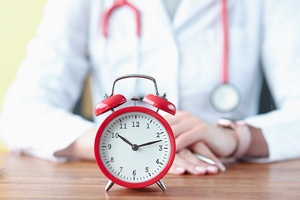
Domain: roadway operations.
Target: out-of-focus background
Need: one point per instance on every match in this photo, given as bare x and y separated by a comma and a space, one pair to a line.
18, 23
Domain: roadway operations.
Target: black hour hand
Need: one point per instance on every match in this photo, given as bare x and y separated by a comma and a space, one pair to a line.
125, 140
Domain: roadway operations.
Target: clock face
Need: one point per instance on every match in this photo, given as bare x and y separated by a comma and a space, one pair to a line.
134, 147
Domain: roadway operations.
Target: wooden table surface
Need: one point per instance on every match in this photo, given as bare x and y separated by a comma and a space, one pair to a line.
29, 178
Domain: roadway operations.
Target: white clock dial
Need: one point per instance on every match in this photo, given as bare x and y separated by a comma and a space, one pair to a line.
134, 147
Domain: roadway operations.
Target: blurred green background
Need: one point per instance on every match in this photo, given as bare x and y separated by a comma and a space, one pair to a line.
18, 24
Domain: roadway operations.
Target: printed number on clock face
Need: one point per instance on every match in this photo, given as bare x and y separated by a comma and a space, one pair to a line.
134, 147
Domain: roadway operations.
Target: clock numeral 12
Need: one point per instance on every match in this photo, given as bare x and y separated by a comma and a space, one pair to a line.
136, 124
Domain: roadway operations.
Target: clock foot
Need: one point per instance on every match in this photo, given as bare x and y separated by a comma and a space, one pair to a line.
109, 185
161, 185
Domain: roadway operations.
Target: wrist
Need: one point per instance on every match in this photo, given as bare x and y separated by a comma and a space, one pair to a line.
242, 135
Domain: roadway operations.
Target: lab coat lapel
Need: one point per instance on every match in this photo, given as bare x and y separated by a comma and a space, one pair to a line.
155, 9
154, 14
188, 9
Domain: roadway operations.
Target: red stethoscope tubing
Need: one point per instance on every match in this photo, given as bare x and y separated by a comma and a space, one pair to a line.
119, 3
225, 61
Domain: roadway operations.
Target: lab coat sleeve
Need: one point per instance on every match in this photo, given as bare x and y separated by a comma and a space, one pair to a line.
281, 62
37, 114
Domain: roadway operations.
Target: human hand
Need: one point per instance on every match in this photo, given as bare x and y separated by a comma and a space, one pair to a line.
188, 162
193, 136
191, 133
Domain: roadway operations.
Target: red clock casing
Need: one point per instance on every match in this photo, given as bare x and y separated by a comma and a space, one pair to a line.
98, 151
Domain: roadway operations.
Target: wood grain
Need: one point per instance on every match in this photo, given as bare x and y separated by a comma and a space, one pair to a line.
29, 178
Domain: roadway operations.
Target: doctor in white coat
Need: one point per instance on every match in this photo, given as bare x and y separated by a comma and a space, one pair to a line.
181, 45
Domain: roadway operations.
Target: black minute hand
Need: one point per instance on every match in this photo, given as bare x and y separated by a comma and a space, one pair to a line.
149, 143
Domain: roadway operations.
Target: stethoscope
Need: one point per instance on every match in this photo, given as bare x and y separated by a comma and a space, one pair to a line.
224, 97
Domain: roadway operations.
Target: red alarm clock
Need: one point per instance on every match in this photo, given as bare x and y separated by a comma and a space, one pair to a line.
134, 145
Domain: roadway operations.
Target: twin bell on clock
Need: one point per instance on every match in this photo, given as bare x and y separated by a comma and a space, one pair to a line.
134, 145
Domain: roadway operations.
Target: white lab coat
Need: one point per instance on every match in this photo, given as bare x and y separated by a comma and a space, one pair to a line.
183, 55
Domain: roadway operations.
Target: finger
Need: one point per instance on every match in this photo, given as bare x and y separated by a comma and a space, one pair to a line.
201, 149
192, 164
187, 162
173, 119
180, 128
176, 167
182, 166
181, 122
188, 138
